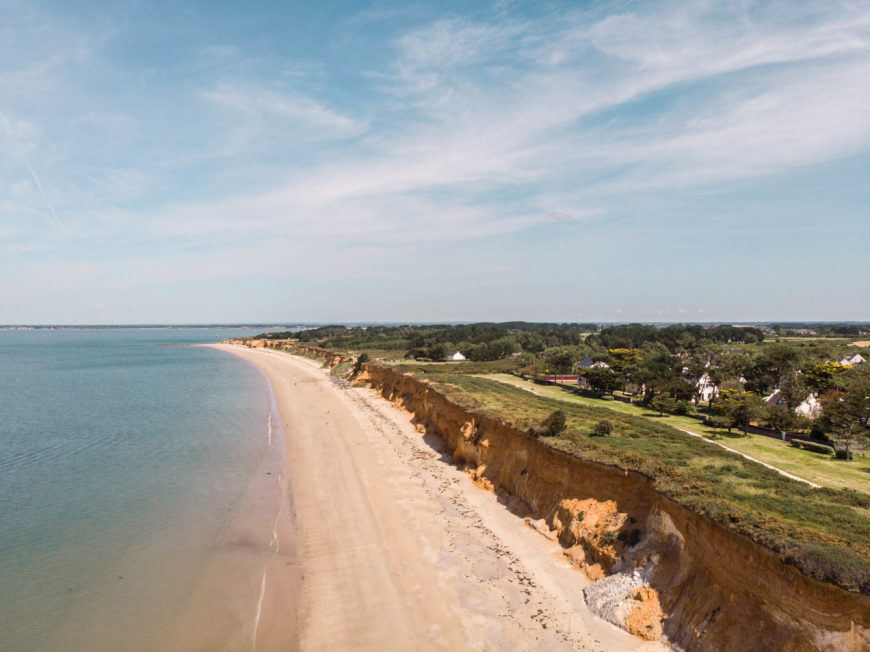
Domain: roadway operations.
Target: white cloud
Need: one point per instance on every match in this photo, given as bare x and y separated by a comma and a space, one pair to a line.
472, 129
269, 109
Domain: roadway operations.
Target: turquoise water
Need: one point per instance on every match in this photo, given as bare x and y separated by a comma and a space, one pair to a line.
121, 462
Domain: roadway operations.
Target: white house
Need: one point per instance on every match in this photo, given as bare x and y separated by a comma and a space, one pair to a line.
705, 388
589, 363
456, 356
855, 358
809, 407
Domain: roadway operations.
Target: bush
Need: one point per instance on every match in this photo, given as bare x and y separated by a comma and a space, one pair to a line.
686, 408
602, 428
843, 454
555, 423
812, 446
817, 432
360, 361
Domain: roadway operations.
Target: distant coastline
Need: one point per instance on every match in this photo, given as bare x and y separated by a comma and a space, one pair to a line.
81, 327
302, 325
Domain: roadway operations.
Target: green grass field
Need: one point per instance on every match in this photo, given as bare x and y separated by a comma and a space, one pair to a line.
821, 469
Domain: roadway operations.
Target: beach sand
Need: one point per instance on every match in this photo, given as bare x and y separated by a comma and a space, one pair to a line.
397, 548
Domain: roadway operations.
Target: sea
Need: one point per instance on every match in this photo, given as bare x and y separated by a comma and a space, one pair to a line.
126, 457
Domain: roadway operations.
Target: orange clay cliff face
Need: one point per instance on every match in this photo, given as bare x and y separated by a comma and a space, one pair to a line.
658, 569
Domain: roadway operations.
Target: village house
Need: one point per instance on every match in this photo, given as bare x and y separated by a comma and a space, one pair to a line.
809, 407
589, 363
705, 389
853, 359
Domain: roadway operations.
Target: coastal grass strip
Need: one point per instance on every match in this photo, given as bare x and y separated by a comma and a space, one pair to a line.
823, 532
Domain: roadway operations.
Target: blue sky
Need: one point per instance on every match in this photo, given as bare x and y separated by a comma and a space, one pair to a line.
223, 161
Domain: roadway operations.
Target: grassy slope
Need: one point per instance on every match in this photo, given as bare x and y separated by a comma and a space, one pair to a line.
825, 532
823, 470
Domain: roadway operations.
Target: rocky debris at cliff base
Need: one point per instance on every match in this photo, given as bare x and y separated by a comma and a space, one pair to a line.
627, 601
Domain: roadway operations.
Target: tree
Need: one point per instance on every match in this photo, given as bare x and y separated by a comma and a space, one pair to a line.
794, 390
737, 407
657, 371
685, 343
751, 408
685, 407
622, 359
440, 350
718, 421
680, 389
561, 361
780, 417
846, 415
624, 362
601, 379
761, 376
664, 403
730, 365
781, 360
825, 376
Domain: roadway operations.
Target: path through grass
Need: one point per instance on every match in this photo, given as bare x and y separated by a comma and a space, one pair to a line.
816, 468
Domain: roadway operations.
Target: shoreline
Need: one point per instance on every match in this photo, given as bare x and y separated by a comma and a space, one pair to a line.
398, 548
239, 601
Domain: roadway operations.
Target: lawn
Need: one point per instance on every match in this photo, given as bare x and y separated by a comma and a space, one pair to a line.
821, 469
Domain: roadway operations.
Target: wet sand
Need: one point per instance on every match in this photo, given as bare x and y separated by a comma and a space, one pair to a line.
243, 597
397, 548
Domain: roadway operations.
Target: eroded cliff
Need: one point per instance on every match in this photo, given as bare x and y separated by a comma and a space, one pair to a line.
660, 568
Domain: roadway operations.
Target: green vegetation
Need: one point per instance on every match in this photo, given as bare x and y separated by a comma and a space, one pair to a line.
813, 446
666, 368
361, 359
811, 466
602, 428
556, 423
824, 532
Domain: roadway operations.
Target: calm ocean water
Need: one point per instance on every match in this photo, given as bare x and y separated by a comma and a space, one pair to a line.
121, 464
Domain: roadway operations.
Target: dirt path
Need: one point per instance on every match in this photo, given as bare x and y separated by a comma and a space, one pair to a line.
749, 457
399, 550
688, 432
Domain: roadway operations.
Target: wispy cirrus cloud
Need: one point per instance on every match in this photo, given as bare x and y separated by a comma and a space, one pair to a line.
270, 110
502, 126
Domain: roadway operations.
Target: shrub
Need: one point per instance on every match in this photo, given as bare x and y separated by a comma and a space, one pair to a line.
843, 454
555, 423
817, 432
812, 446
685, 407
602, 428
360, 361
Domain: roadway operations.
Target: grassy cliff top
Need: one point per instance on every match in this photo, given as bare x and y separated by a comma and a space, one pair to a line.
823, 532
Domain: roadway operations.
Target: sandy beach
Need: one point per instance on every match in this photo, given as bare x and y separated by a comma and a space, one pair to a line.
397, 548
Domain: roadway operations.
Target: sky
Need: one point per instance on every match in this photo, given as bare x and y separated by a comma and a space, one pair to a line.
192, 162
